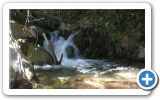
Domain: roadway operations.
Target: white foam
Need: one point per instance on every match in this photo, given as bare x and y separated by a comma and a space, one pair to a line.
42, 67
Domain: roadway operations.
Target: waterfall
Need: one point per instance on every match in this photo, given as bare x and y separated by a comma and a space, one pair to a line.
61, 45
96, 67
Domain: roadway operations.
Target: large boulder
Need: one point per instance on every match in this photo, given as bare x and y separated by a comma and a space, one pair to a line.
19, 31
36, 54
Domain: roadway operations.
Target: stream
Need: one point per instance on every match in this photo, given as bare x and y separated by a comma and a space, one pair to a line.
100, 74
80, 73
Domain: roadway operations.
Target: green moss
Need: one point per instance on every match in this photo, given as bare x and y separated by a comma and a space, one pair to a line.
37, 54
19, 31
52, 84
56, 83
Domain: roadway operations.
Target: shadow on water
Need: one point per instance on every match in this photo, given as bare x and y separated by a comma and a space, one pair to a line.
59, 71
97, 74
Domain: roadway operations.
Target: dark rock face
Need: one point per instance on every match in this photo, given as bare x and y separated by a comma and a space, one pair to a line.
22, 84
70, 51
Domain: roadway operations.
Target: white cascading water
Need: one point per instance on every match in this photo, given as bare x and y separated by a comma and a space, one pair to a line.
97, 67
60, 45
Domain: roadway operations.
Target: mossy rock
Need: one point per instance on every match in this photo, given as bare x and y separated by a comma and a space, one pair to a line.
37, 55
19, 31
56, 83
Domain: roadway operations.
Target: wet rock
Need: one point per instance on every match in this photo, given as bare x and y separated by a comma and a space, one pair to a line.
19, 31
70, 52
22, 84
20, 67
36, 54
